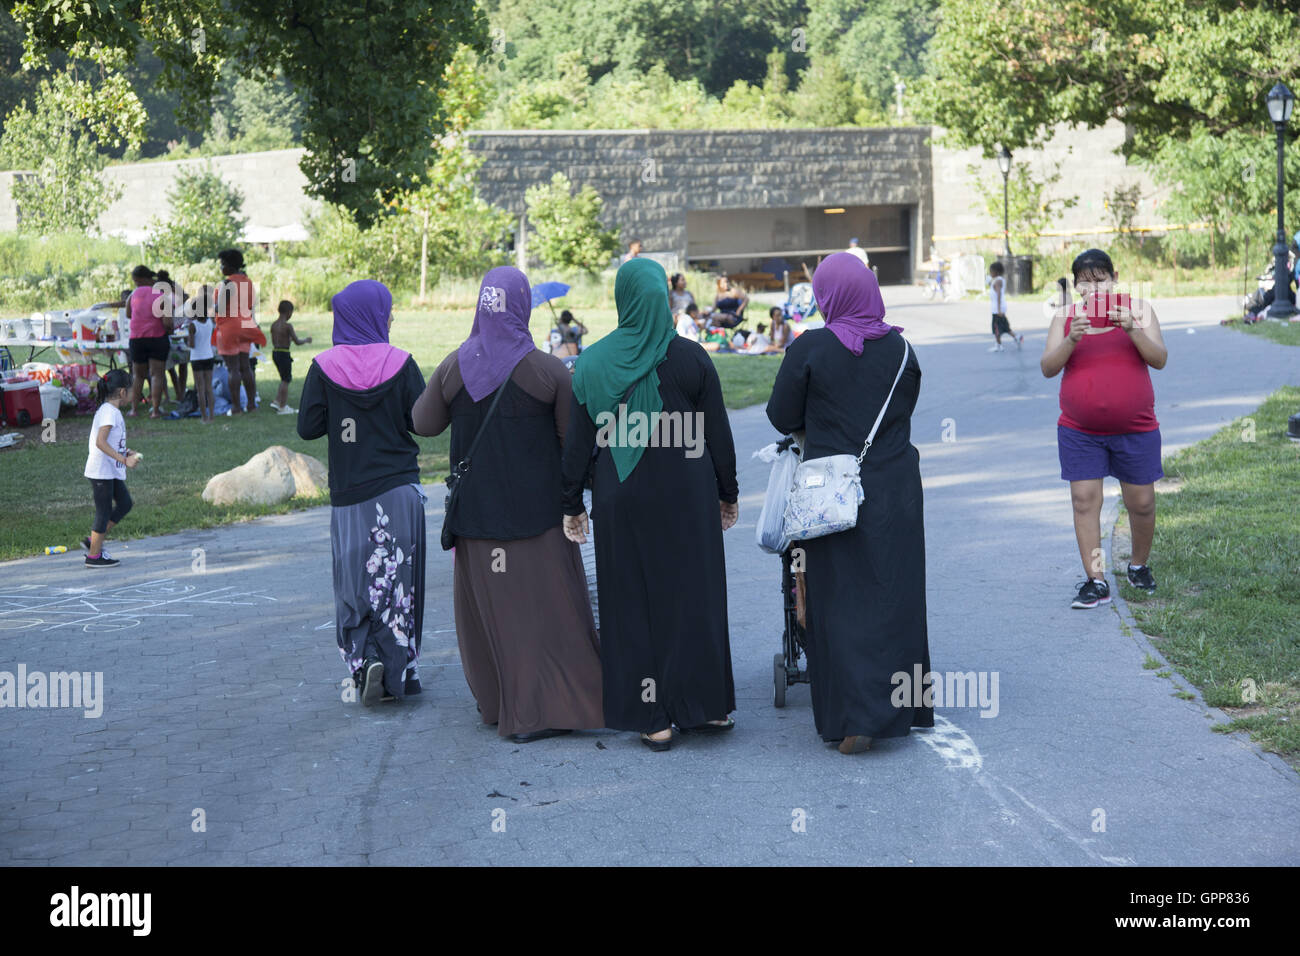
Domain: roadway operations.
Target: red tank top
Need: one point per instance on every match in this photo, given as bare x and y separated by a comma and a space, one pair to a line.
1106, 388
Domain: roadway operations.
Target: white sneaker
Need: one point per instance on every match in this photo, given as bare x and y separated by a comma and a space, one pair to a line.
1020, 341
286, 410
275, 406
995, 348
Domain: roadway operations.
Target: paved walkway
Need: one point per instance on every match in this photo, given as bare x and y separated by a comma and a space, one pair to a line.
222, 702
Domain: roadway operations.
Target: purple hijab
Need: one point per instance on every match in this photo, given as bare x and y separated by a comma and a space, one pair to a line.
849, 296
361, 357
500, 336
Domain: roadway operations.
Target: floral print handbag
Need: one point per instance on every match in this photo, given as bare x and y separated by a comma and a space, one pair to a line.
827, 492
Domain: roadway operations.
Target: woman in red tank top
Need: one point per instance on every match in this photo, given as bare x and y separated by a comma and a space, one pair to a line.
1107, 344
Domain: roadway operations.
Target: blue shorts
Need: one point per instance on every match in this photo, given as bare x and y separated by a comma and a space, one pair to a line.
1133, 458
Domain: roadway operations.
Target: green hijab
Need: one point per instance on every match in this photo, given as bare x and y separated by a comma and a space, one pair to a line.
629, 354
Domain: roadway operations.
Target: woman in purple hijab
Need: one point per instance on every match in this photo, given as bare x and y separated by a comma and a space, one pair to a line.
359, 393
524, 624
865, 587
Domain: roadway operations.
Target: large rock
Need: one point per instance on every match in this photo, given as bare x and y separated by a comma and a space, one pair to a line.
268, 478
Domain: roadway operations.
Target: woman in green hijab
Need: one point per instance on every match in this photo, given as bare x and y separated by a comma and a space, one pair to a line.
663, 482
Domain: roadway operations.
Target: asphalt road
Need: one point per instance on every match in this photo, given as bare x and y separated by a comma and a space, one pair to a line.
223, 738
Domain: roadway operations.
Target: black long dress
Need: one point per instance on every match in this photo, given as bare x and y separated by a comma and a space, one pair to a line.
865, 587
660, 571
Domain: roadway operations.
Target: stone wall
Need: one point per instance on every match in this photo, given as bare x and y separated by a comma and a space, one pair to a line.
649, 179
1090, 167
274, 189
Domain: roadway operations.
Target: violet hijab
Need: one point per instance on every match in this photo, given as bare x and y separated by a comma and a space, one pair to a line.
500, 336
361, 357
848, 295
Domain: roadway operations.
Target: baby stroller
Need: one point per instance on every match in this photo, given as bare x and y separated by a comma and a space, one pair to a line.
785, 665
800, 303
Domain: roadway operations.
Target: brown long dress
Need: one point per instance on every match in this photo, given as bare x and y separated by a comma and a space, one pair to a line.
527, 638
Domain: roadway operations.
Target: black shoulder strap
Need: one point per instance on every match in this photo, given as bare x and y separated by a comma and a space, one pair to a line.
464, 462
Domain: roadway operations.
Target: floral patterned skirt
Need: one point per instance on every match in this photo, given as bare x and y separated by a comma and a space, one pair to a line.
379, 552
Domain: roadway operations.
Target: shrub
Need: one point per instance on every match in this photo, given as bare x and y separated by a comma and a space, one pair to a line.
567, 230
202, 217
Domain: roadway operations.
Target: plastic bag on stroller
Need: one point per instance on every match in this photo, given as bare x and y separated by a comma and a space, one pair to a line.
784, 458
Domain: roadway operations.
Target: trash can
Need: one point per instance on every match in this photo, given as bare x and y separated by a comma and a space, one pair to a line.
1020, 274
51, 400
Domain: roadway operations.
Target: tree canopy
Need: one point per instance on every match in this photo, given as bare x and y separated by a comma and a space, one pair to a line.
1008, 71
368, 74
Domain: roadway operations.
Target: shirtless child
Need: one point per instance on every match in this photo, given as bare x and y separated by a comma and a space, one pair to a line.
282, 335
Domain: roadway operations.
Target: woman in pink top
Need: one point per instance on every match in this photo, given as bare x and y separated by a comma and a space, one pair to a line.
1106, 344
150, 314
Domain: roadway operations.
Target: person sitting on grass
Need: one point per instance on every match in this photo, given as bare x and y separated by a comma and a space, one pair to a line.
679, 297
758, 343
689, 323
780, 329
729, 306
1107, 344
282, 334
106, 465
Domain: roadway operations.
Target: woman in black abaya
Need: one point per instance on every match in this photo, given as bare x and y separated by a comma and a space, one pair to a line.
663, 491
865, 586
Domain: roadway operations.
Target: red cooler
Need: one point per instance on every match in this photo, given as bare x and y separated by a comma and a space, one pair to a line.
20, 403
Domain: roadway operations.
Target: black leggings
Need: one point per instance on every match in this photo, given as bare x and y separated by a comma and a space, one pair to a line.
112, 502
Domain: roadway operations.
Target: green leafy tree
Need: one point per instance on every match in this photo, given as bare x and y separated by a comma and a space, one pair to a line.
56, 141
203, 216
567, 233
267, 114
712, 43
534, 104
876, 43
465, 235
369, 75
1030, 207
1009, 72
1227, 181
1121, 210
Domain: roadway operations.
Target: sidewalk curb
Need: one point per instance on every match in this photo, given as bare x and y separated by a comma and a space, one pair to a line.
1110, 518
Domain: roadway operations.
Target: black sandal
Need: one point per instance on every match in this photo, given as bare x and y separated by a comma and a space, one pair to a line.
658, 746
707, 728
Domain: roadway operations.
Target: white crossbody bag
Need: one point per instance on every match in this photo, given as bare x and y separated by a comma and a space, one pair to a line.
827, 492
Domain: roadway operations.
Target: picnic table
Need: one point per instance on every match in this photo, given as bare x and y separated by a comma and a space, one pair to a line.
94, 353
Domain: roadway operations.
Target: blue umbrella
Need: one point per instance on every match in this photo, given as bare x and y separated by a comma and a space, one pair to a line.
547, 291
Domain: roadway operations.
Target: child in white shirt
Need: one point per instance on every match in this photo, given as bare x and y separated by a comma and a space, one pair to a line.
106, 465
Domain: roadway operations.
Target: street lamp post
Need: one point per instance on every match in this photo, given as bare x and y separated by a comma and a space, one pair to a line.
1004, 164
1280, 102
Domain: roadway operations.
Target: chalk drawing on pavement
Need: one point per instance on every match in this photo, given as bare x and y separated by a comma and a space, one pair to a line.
36, 607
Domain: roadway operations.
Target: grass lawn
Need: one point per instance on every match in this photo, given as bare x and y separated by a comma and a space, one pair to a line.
1285, 334
44, 500
1226, 558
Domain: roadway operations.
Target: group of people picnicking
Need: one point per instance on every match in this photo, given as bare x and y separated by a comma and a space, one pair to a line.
639, 424
170, 331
